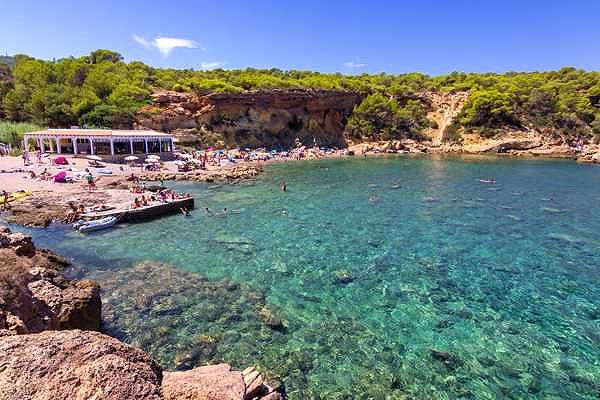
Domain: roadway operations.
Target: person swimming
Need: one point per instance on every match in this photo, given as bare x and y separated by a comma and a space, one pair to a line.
207, 211
185, 211
283, 186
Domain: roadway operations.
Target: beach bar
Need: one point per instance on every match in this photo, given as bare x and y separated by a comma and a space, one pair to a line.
105, 143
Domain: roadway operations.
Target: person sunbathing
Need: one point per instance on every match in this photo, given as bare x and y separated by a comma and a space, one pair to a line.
136, 203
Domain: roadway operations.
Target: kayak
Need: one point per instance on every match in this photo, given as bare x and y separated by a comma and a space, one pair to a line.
16, 196
97, 224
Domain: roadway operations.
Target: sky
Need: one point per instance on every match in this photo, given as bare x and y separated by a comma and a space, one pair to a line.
352, 37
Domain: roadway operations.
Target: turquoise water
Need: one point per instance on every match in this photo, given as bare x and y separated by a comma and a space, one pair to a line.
374, 268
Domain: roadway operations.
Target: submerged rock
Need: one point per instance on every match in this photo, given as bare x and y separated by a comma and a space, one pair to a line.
271, 319
75, 364
449, 360
183, 319
343, 277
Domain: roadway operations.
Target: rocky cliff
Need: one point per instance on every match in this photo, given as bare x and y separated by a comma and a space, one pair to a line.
34, 294
252, 119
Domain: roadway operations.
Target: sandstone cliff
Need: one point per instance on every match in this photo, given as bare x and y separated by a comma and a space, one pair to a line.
268, 118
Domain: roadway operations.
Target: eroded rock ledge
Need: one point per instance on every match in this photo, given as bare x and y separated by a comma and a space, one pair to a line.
34, 294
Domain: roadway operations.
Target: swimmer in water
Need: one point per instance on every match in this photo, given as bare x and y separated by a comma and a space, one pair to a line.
185, 211
283, 186
207, 211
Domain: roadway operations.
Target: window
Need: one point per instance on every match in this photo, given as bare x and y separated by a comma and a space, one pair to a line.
121, 147
102, 148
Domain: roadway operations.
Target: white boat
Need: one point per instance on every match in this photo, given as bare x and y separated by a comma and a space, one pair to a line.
97, 224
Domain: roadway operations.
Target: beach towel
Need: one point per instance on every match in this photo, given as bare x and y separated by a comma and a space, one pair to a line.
61, 161
61, 177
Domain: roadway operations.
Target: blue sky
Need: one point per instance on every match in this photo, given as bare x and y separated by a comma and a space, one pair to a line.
349, 36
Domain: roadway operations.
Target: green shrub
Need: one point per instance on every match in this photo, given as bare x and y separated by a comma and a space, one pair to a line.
12, 132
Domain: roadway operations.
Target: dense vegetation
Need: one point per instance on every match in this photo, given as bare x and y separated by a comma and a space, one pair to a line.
102, 90
12, 132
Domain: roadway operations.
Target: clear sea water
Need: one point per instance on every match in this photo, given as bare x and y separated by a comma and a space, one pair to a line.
397, 278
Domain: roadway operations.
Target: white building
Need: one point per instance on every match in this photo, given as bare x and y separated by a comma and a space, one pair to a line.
106, 143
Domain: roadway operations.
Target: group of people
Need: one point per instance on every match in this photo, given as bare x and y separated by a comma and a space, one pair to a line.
27, 157
74, 212
162, 196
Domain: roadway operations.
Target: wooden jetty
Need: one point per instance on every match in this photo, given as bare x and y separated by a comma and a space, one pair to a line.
144, 213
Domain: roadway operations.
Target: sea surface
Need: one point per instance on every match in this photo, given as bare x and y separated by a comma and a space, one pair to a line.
386, 278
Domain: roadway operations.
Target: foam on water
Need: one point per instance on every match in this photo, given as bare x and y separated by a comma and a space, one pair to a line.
375, 264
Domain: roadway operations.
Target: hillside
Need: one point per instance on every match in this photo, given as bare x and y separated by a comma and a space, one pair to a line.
254, 107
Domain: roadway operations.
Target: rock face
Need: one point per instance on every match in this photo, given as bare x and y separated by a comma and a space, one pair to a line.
204, 383
74, 365
253, 118
34, 294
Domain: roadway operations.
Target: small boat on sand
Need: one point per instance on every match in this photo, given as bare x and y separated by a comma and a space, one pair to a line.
95, 225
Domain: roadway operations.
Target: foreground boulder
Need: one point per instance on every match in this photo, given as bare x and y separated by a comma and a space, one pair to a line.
210, 382
74, 365
217, 382
34, 294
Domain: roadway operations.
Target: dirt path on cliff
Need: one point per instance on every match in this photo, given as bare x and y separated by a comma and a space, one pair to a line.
445, 107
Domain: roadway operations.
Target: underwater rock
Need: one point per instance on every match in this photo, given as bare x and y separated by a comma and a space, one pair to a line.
343, 277
139, 304
270, 319
74, 364
449, 360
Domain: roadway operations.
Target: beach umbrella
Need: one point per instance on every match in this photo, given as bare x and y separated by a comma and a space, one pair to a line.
151, 160
92, 157
131, 158
179, 162
154, 156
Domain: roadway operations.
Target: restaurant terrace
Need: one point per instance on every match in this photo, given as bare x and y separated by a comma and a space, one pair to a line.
106, 143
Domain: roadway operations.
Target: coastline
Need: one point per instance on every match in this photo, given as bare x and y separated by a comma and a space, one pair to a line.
48, 200
482, 156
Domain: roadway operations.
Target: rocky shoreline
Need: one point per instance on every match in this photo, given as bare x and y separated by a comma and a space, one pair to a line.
51, 347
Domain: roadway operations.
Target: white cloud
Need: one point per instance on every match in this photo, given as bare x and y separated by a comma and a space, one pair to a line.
212, 65
166, 44
354, 65
142, 41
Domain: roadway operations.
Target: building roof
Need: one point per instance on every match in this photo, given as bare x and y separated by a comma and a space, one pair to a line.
97, 132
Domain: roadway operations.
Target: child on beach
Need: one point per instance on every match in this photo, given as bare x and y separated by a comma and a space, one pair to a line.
90, 181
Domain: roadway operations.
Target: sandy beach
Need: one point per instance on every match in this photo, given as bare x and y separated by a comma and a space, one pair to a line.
113, 185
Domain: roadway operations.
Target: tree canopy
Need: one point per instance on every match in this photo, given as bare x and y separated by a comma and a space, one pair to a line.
102, 90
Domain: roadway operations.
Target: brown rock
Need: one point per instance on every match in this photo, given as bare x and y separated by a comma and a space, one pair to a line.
255, 387
272, 396
214, 382
252, 118
73, 365
35, 295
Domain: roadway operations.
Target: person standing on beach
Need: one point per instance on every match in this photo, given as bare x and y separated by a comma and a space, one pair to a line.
25, 157
90, 181
5, 205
